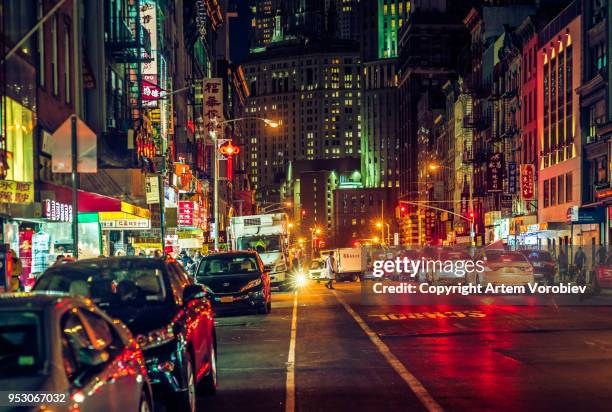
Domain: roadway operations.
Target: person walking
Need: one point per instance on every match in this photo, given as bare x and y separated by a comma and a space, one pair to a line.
562, 261
579, 262
330, 270
602, 254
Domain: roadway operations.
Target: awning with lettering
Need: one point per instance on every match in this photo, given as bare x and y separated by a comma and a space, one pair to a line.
92, 202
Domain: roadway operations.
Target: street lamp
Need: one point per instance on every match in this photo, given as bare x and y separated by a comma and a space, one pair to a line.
213, 136
381, 225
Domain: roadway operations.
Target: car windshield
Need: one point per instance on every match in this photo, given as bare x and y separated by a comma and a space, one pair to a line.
108, 280
262, 244
505, 258
228, 265
538, 256
317, 264
21, 350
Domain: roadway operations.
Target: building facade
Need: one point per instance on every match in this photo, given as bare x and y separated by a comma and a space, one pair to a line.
314, 92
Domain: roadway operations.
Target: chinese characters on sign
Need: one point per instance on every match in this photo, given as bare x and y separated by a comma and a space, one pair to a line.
512, 177
150, 90
527, 182
59, 212
213, 105
126, 224
152, 189
16, 192
187, 213
495, 167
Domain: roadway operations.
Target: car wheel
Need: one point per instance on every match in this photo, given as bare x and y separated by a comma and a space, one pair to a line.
209, 382
144, 406
187, 398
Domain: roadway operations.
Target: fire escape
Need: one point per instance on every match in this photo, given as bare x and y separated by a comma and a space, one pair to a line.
130, 45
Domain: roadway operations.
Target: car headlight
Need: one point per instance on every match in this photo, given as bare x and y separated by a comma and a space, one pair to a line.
300, 279
251, 284
155, 338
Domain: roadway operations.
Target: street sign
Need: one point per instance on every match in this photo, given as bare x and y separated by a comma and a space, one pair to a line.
152, 189
61, 148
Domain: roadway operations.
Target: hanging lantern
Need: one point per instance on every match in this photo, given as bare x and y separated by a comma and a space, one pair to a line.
229, 149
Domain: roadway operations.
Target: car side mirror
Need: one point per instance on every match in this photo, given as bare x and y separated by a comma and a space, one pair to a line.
193, 292
92, 357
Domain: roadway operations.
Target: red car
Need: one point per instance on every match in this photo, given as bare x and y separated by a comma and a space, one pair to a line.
164, 309
602, 276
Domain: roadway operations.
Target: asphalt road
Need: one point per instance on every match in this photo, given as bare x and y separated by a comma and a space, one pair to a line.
353, 357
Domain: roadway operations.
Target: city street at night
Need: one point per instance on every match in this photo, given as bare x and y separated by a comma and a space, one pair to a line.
305, 205
503, 358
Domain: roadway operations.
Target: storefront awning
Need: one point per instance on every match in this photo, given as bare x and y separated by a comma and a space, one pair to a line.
94, 202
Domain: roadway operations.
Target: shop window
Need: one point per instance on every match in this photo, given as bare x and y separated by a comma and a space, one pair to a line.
601, 170
553, 191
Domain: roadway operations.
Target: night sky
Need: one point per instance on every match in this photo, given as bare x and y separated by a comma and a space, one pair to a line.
239, 31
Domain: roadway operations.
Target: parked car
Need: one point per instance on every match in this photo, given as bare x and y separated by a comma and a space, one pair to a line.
162, 306
236, 281
507, 268
436, 273
317, 269
543, 265
66, 346
602, 276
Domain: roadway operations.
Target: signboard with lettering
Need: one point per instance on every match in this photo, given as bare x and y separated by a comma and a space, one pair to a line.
585, 215
152, 189
16, 192
495, 167
527, 172
186, 213
125, 224
151, 92
59, 212
512, 177
212, 89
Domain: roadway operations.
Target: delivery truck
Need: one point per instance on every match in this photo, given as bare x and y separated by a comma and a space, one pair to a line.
268, 235
350, 263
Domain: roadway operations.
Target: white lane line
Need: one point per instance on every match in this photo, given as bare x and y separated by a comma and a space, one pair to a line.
417, 387
290, 382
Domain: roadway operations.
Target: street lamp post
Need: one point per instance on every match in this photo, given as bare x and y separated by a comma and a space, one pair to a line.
213, 136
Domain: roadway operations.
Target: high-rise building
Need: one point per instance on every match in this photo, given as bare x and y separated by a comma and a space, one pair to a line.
277, 21
379, 125
313, 90
381, 21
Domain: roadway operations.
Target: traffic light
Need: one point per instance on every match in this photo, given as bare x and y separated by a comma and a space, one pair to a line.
471, 214
303, 212
401, 211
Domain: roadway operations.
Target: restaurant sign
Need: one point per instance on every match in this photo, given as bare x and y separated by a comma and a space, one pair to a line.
16, 192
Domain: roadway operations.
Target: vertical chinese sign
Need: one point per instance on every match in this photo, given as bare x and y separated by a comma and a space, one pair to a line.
512, 177
495, 170
151, 91
527, 182
213, 105
186, 214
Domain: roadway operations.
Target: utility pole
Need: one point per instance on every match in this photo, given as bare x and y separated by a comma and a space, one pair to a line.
77, 112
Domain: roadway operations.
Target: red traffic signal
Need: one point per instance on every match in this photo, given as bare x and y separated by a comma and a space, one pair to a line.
471, 215
303, 212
